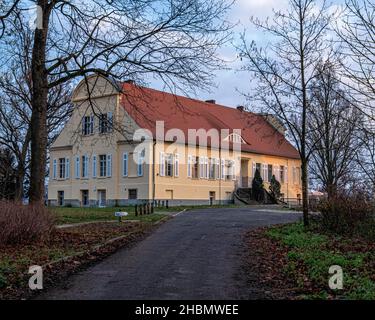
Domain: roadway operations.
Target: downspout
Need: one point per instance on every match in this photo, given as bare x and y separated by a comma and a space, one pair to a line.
153, 171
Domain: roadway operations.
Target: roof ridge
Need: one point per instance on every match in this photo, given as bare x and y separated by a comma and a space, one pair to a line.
185, 97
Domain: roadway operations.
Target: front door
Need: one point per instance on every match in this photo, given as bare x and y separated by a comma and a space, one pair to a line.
102, 198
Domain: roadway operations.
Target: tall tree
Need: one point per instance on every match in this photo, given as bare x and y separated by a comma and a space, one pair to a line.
173, 41
15, 101
334, 123
285, 67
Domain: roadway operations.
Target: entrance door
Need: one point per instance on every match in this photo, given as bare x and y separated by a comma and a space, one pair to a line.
212, 197
102, 198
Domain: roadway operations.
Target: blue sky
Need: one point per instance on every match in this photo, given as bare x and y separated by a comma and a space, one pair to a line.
229, 82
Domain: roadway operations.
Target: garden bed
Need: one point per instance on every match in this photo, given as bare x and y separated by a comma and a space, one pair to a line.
294, 264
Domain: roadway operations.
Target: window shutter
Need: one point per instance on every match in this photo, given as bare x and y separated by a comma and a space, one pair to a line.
83, 125
94, 166
125, 164
87, 165
54, 169
67, 168
162, 164
176, 166
109, 165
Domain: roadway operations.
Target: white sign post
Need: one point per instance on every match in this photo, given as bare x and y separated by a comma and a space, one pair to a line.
120, 214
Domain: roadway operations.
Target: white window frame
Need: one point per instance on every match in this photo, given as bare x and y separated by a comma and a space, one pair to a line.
189, 166
162, 165
125, 164
109, 165
176, 165
94, 166
54, 169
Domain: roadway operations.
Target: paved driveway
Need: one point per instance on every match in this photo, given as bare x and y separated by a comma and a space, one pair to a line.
196, 255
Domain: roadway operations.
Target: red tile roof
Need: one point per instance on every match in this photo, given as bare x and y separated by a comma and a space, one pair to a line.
146, 106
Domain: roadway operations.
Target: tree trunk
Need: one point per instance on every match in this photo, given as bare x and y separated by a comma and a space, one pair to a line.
305, 195
39, 109
19, 183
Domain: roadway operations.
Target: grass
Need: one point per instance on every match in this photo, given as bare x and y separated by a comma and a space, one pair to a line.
67, 215
315, 253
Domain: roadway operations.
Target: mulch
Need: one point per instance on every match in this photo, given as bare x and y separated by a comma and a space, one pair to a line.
263, 263
65, 252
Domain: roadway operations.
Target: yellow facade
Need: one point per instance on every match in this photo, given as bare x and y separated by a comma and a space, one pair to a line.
124, 181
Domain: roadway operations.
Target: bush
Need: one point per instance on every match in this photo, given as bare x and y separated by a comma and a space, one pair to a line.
257, 186
275, 188
348, 214
23, 224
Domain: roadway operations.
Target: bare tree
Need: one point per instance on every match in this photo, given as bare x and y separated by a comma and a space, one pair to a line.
357, 35
16, 109
285, 68
334, 124
7, 7
173, 41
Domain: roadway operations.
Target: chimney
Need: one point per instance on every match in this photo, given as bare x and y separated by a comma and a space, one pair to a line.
211, 101
129, 81
240, 108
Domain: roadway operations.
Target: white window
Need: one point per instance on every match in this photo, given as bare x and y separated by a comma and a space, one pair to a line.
222, 170
270, 172
282, 174
176, 165
217, 168
105, 122
168, 157
140, 161
212, 170
109, 165
54, 169
162, 164
85, 166
189, 166
201, 168
265, 172
102, 165
94, 166
206, 168
125, 164
87, 125
62, 168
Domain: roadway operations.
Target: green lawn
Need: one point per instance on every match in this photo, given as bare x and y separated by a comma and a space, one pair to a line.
77, 215
315, 253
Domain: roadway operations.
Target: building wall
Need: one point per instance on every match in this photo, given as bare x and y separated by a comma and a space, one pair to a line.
177, 190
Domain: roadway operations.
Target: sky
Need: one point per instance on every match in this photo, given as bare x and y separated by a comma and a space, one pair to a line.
230, 83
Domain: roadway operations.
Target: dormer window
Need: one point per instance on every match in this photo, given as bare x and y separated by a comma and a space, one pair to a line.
105, 122
235, 138
87, 125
